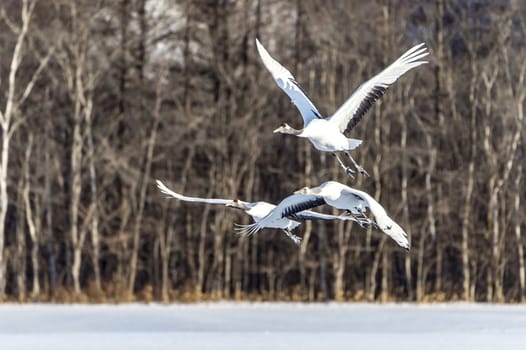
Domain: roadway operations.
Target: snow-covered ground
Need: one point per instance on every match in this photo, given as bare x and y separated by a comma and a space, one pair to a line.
272, 326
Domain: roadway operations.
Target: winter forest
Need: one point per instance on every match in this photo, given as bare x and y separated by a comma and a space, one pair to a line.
100, 98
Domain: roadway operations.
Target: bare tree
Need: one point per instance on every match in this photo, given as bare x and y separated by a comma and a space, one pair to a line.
108, 95
14, 99
144, 186
33, 223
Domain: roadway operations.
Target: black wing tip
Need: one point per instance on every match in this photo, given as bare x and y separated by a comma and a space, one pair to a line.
374, 95
297, 208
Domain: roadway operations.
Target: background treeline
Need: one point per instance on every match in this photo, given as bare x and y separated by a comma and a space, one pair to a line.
99, 98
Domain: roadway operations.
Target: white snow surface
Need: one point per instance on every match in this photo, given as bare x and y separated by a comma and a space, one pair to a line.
255, 326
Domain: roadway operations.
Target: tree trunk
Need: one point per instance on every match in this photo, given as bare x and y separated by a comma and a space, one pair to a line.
492, 229
49, 220
31, 224
405, 206
421, 279
518, 235
371, 292
144, 186
20, 257
95, 240
76, 187
321, 254
201, 251
4, 200
6, 118
386, 272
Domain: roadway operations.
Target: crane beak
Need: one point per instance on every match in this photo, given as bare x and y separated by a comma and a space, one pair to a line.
283, 128
304, 190
233, 204
309, 191
236, 204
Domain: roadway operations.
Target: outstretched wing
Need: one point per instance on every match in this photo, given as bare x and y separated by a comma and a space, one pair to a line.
287, 83
287, 207
383, 221
352, 111
162, 187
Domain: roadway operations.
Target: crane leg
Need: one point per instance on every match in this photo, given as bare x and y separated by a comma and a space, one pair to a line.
360, 218
295, 239
345, 168
358, 168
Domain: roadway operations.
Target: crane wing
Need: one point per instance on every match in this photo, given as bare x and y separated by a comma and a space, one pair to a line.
162, 187
352, 111
383, 221
287, 207
287, 83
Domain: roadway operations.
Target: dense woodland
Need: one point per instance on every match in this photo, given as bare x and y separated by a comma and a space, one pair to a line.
100, 98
